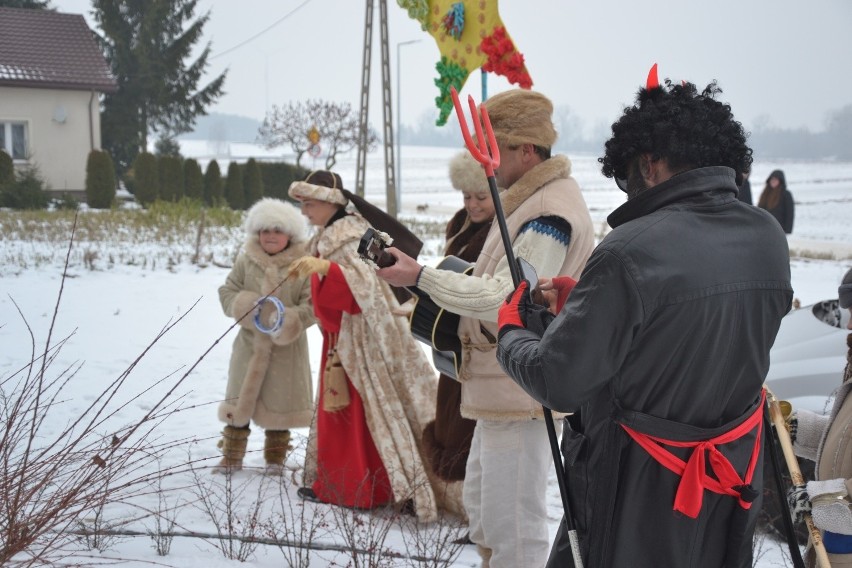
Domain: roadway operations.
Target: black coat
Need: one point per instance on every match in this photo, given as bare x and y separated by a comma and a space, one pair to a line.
784, 211
671, 325
744, 193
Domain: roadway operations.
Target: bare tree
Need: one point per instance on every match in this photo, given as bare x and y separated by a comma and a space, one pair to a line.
335, 123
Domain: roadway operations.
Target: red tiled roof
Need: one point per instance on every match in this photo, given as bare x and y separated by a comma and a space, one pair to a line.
46, 49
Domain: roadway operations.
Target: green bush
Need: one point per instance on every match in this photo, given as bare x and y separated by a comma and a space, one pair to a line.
214, 189
7, 169
146, 178
252, 183
100, 180
277, 177
171, 178
26, 192
234, 194
193, 180
66, 202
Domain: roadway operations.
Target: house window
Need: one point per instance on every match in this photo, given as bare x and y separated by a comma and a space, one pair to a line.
13, 139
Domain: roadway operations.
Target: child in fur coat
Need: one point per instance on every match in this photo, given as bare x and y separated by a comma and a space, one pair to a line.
269, 379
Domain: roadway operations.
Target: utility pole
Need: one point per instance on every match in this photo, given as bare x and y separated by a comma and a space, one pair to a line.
387, 113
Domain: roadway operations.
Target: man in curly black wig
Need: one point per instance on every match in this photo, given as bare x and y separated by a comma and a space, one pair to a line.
662, 347
678, 128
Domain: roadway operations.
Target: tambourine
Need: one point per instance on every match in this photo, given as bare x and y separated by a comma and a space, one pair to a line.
279, 323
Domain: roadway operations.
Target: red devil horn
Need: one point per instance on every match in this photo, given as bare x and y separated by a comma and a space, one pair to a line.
653, 80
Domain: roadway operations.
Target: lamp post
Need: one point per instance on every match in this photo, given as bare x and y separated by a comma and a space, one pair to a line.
399, 123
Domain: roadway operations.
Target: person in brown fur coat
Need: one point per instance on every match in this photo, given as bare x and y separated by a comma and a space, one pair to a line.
269, 379
447, 438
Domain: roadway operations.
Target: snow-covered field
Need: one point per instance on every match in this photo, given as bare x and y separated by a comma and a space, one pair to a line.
111, 313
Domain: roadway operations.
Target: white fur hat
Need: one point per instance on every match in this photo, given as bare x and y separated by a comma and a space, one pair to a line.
271, 213
466, 174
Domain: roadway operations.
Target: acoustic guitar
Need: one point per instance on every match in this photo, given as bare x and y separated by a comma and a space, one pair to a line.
437, 327
429, 323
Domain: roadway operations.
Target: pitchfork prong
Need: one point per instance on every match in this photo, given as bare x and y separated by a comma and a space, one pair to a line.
492, 140
480, 154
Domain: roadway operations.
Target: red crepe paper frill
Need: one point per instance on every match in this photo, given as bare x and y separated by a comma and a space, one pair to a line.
504, 59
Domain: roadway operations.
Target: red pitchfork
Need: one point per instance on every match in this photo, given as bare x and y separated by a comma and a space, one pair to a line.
490, 161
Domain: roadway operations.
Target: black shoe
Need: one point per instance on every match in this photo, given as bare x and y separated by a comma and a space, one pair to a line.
308, 494
463, 540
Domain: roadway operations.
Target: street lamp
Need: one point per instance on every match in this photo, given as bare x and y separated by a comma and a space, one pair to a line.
399, 124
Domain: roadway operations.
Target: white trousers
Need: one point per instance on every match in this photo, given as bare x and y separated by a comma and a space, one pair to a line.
505, 492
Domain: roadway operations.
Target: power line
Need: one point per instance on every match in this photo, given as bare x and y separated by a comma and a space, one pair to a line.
263, 31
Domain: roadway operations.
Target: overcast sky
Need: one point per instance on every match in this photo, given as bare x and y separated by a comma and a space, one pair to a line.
784, 60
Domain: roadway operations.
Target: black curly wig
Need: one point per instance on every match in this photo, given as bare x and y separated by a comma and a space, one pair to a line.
676, 123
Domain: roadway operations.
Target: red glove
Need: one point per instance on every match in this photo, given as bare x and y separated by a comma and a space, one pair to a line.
512, 314
563, 286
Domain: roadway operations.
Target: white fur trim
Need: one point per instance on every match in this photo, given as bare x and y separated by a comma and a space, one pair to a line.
466, 174
300, 190
271, 213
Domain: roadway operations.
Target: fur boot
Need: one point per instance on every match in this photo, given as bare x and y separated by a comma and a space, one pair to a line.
233, 445
275, 449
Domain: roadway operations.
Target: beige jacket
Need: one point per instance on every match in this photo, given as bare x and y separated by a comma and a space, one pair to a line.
828, 441
546, 190
269, 379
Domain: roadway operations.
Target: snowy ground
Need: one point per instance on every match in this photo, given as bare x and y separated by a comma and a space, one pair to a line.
112, 313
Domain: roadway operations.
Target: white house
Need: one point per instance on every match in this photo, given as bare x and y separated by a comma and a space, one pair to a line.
51, 76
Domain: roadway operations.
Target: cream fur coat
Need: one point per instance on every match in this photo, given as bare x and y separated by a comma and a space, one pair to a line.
269, 379
387, 366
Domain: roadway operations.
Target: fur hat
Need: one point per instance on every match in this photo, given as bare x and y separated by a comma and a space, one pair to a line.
844, 292
271, 213
519, 116
466, 174
321, 185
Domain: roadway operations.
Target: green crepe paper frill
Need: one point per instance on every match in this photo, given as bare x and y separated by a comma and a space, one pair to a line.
450, 75
417, 10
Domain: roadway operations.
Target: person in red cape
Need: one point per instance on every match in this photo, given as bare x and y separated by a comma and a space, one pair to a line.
662, 347
376, 386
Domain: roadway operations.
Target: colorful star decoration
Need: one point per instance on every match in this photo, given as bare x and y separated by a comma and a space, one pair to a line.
469, 34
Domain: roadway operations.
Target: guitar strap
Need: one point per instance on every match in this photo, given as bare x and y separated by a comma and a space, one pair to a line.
488, 335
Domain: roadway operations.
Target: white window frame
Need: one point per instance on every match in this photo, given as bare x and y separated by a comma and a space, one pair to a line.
8, 136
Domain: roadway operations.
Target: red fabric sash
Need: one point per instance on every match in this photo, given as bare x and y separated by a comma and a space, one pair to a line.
694, 477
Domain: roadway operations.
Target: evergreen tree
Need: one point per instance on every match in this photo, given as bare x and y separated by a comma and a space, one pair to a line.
252, 183
171, 178
193, 180
146, 178
213, 188
100, 180
167, 146
147, 45
234, 195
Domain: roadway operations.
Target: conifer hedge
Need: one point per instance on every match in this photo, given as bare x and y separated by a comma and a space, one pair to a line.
100, 180
234, 193
193, 180
277, 177
146, 178
171, 178
252, 183
214, 189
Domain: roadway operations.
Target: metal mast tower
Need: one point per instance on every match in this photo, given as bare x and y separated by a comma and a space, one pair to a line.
387, 114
